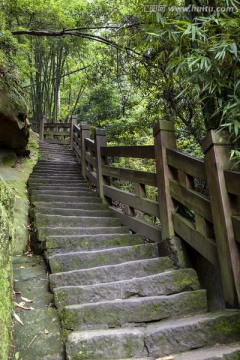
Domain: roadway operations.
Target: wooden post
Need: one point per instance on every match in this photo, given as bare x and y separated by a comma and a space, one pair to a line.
100, 140
41, 128
85, 133
164, 138
73, 122
216, 161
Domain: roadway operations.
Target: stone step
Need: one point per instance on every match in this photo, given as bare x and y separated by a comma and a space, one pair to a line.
57, 166
88, 259
111, 273
57, 172
158, 339
133, 311
90, 197
71, 205
74, 221
75, 187
56, 177
74, 212
43, 232
167, 283
55, 182
49, 163
216, 352
91, 242
70, 192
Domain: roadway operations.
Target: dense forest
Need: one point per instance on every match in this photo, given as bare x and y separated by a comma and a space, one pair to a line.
123, 65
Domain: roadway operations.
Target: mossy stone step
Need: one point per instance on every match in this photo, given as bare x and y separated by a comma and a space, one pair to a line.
69, 192
90, 197
217, 352
74, 221
111, 273
71, 205
56, 172
58, 167
88, 259
53, 164
55, 182
43, 232
75, 212
91, 242
156, 340
41, 187
167, 283
55, 176
117, 313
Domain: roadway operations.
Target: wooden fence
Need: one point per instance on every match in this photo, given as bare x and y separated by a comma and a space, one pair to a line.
208, 221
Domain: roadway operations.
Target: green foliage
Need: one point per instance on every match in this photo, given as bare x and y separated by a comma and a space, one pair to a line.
172, 65
203, 54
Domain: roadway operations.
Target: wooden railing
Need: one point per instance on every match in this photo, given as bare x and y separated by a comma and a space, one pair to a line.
197, 200
56, 133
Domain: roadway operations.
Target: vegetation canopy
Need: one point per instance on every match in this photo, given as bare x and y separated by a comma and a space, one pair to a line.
123, 65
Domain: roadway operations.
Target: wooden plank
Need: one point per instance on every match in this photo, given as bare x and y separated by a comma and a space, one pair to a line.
90, 144
56, 133
77, 150
136, 176
232, 179
186, 163
145, 205
141, 152
205, 246
76, 129
139, 226
76, 138
236, 227
192, 200
92, 177
90, 160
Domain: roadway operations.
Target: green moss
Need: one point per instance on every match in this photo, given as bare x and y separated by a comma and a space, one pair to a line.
61, 299
226, 328
6, 236
13, 225
128, 350
68, 319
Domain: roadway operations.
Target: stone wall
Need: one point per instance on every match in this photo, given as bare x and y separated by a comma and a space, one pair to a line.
7, 201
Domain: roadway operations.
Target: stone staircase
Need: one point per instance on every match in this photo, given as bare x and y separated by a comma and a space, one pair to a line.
117, 299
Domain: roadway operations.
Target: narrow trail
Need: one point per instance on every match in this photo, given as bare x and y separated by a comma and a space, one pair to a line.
116, 298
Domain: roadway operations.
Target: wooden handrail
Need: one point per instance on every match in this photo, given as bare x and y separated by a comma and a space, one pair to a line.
140, 152
181, 209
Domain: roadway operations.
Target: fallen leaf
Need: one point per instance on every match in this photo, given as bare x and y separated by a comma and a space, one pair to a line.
21, 306
166, 358
46, 331
22, 267
26, 300
17, 318
16, 292
17, 356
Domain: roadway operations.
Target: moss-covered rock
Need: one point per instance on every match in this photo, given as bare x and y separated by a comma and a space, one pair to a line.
13, 230
13, 112
6, 237
16, 177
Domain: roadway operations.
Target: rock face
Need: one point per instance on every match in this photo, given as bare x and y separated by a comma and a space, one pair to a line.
14, 126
